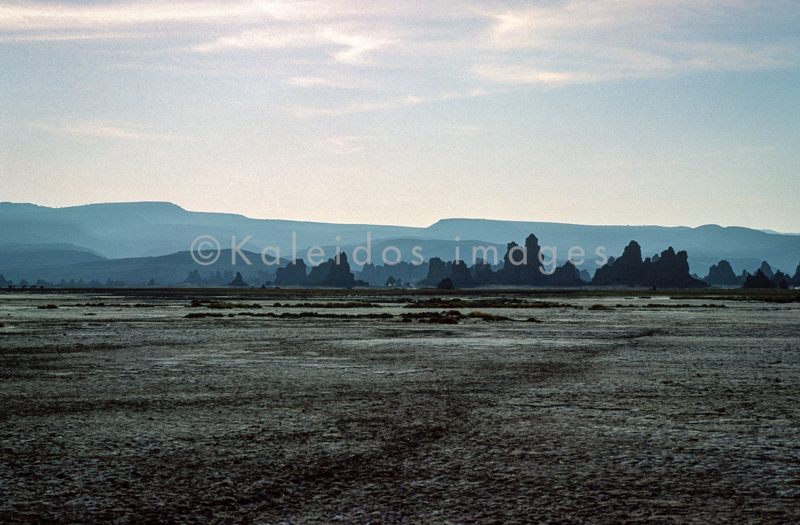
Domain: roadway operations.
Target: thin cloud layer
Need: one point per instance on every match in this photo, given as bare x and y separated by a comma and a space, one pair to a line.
52, 16
101, 130
552, 44
600, 40
350, 47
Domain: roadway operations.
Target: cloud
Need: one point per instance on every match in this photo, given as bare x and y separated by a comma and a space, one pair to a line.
334, 80
312, 82
249, 25
93, 129
394, 103
346, 46
610, 63
551, 44
257, 39
581, 41
65, 36
361, 107
37, 16
724, 56
357, 45
523, 74
344, 145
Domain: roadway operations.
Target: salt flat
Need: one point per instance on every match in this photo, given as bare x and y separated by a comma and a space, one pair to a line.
652, 408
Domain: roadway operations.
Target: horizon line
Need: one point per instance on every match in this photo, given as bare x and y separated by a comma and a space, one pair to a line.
606, 225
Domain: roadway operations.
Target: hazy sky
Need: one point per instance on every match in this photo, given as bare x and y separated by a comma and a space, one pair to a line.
670, 112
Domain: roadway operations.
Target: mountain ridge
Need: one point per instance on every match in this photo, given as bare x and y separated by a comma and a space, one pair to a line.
157, 228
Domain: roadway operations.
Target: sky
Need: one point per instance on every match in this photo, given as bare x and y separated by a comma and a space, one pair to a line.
630, 112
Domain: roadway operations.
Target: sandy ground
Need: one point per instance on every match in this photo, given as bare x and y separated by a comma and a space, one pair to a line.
630, 414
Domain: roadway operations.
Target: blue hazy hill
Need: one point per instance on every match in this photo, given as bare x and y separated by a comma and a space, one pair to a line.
96, 235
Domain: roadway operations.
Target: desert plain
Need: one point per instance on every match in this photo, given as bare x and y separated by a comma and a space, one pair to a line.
394, 406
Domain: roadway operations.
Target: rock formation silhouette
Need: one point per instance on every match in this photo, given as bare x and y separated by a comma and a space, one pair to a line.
456, 271
566, 275
667, 270
627, 270
482, 273
759, 280
402, 271
781, 280
238, 281
193, 278
521, 267
521, 264
292, 274
446, 284
461, 276
437, 271
721, 274
766, 269
333, 273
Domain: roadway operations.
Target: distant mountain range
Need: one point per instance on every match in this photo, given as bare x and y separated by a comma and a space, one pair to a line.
139, 241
